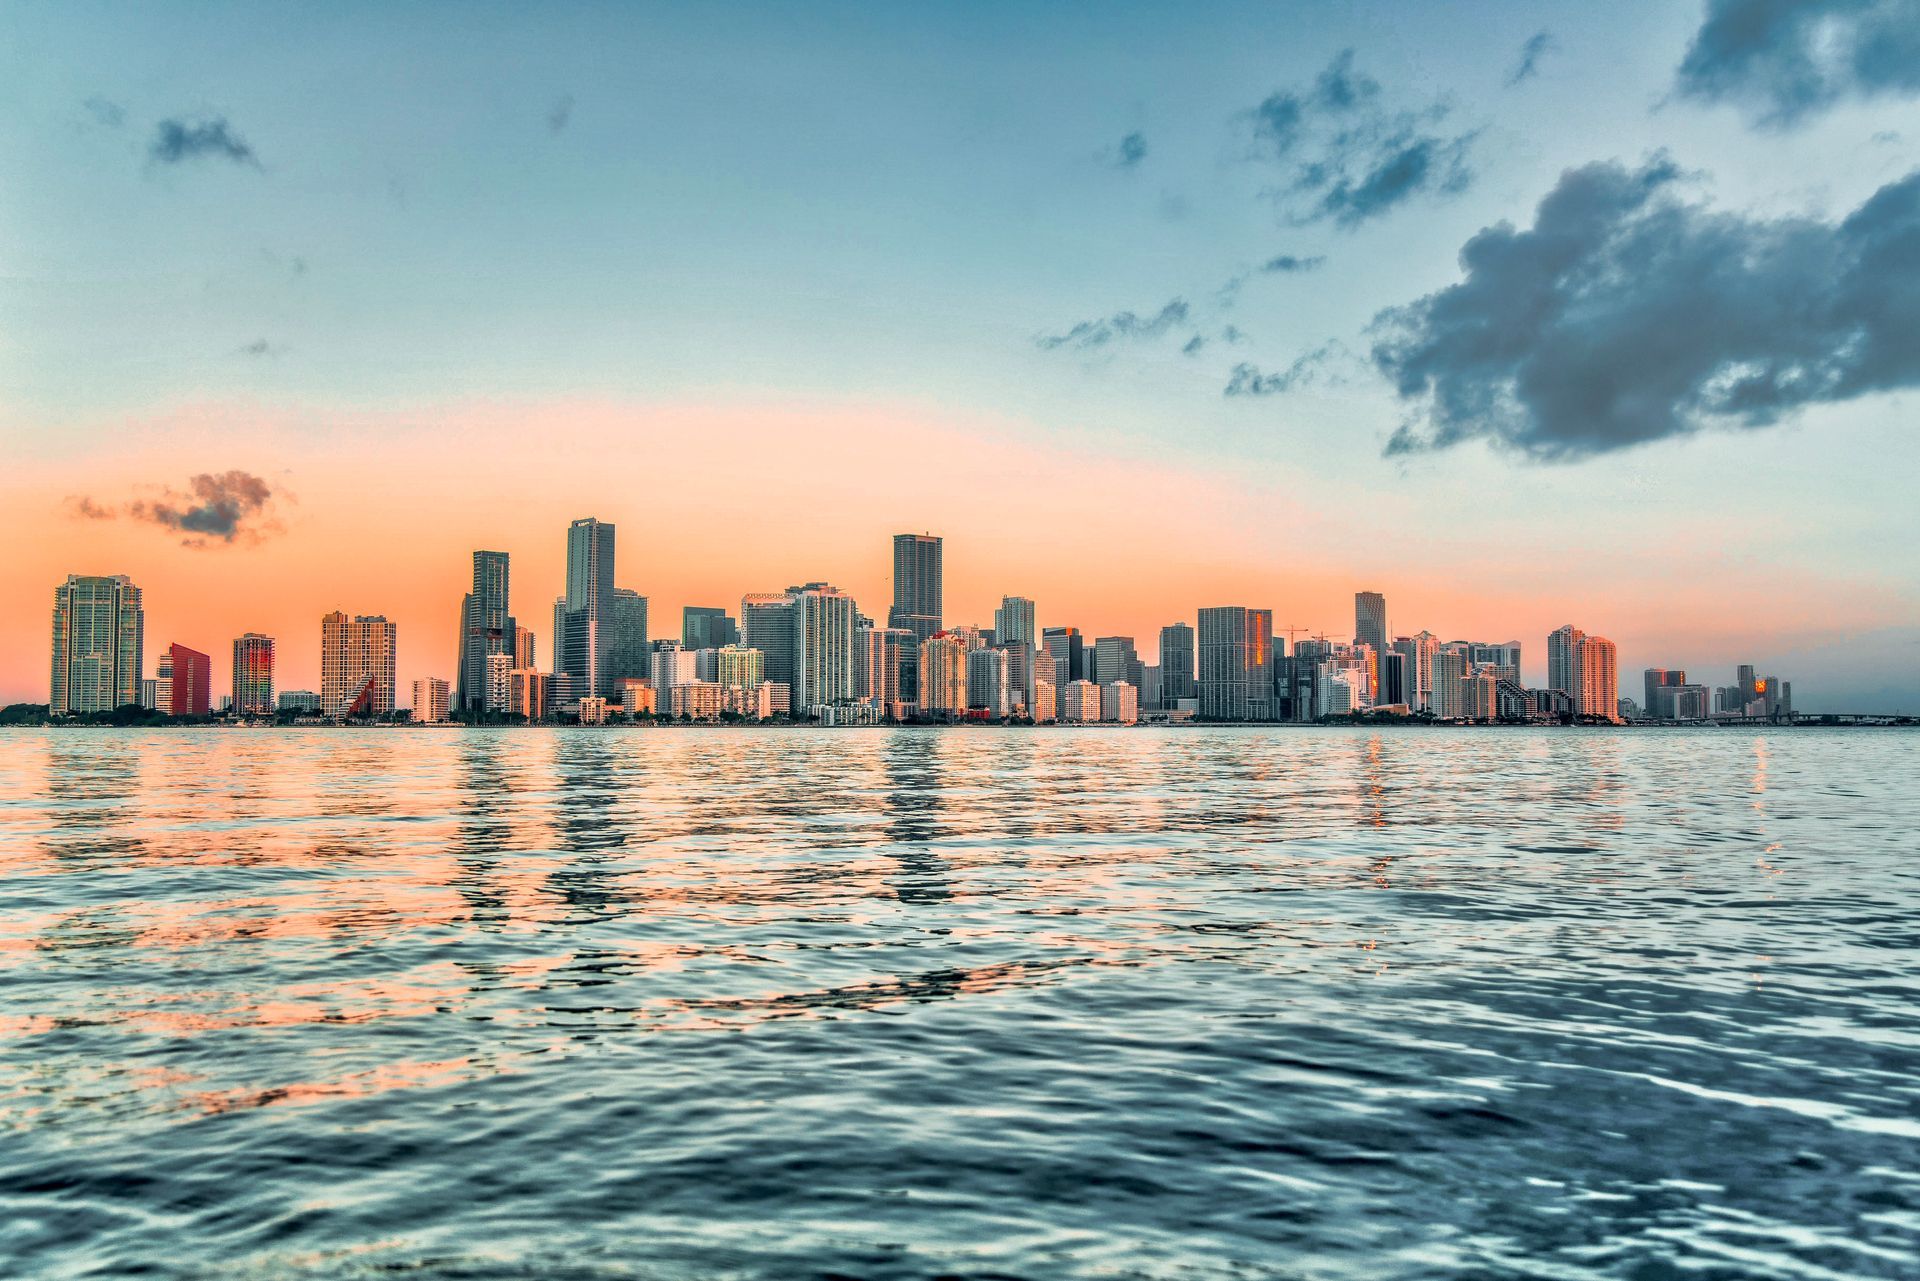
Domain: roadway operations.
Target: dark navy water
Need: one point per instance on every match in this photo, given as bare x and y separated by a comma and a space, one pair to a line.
760, 1004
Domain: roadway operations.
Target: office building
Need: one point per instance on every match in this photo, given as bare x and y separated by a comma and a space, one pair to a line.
1114, 659
1235, 653
1370, 621
487, 627
1658, 680
188, 675
253, 674
1393, 680
1013, 622
919, 594
707, 627
628, 656
430, 696
584, 647
823, 666
766, 624
356, 666
99, 633
1176, 664
988, 683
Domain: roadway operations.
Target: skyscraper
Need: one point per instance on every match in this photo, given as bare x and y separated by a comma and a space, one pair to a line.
99, 632
823, 618
987, 682
918, 585
943, 674
486, 627
628, 656
1176, 663
585, 651
1586, 669
1370, 621
766, 624
191, 673
253, 674
1419, 670
1013, 622
1236, 663
878, 656
707, 627
356, 665
1113, 659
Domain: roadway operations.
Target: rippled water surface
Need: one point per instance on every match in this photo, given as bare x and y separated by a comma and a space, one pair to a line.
729, 1003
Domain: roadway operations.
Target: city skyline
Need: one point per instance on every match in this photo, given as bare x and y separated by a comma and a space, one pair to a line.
1103, 300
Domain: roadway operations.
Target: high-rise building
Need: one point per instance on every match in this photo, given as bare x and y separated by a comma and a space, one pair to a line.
430, 694
583, 649
1563, 661
673, 664
1370, 620
988, 687
253, 674
1013, 622
528, 694
628, 656
1419, 651
99, 633
1236, 663
943, 674
499, 691
1176, 664
766, 624
487, 627
191, 675
919, 596
1079, 703
879, 654
1114, 659
523, 647
738, 667
1659, 681
1450, 670
1587, 669
356, 666
823, 620
1119, 702
1393, 680
707, 627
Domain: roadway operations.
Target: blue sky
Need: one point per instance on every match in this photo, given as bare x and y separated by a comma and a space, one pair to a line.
400, 208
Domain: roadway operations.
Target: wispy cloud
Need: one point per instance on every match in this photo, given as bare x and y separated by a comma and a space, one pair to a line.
225, 508
105, 112
1122, 325
1132, 150
1249, 379
1626, 314
1782, 63
1292, 264
1347, 156
178, 141
560, 114
1537, 46
261, 347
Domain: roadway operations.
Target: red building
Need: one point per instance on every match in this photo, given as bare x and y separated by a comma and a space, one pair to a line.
192, 674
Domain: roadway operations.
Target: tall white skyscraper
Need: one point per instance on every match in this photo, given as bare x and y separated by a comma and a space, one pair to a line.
823, 656
99, 635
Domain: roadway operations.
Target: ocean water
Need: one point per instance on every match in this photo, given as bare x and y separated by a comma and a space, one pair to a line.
969, 1003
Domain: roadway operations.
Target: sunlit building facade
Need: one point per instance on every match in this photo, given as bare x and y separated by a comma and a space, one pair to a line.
99, 633
253, 674
356, 666
1235, 663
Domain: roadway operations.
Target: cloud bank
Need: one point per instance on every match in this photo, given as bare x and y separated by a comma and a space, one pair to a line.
1121, 325
1626, 315
1784, 62
1348, 157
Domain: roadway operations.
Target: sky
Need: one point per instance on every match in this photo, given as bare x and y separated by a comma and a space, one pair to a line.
1523, 314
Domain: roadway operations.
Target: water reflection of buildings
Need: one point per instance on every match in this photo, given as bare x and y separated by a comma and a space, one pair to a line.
913, 768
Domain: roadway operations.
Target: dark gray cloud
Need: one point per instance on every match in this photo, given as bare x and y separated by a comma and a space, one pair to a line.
224, 508
1250, 380
1132, 150
1348, 156
261, 347
1626, 314
104, 111
1292, 264
1782, 61
1194, 344
1121, 325
178, 141
560, 114
1538, 46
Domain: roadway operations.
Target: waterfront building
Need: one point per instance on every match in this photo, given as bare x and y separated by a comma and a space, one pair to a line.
1013, 622
628, 655
1235, 655
766, 624
738, 667
430, 695
487, 627
988, 682
636, 696
707, 627
1176, 665
356, 665
1079, 703
943, 674
696, 701
1393, 680
1044, 709
1448, 697
1337, 692
1563, 661
1419, 651
593, 710
1658, 680
149, 694
529, 694
187, 676
1503, 657
499, 687
1119, 702
253, 674
584, 643
880, 655
299, 702
1480, 694
99, 634
1599, 687
673, 666
163, 683
919, 599
1370, 621
523, 647
823, 666
1024, 661
774, 699
1113, 659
